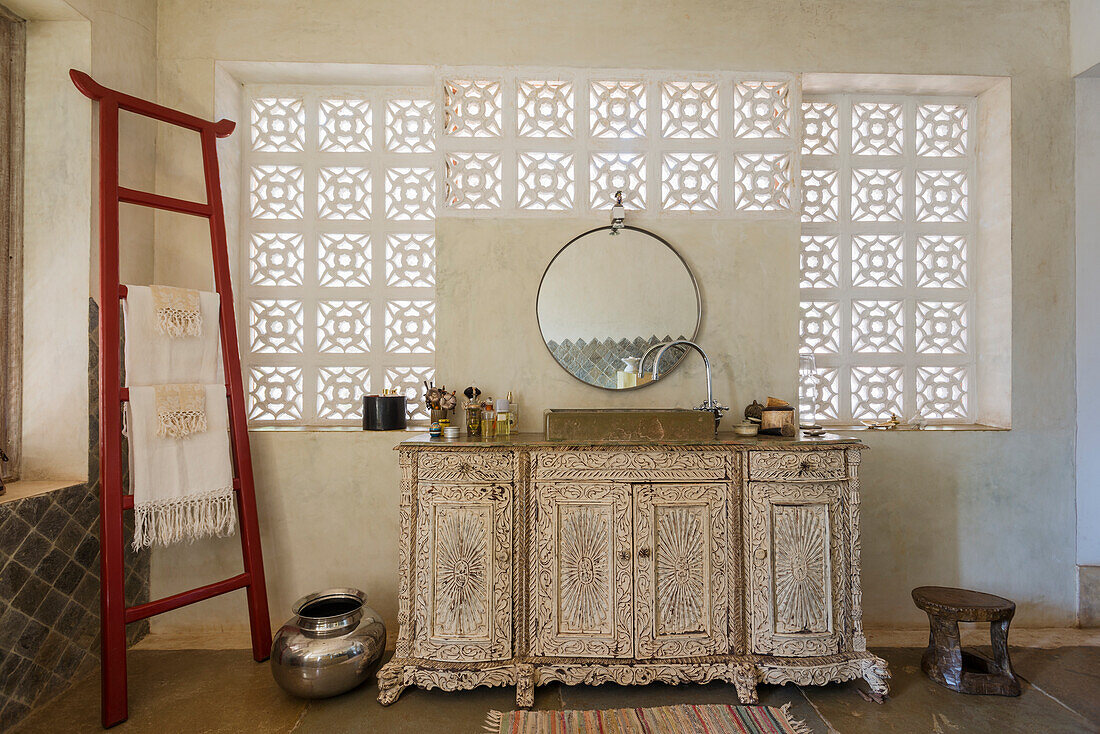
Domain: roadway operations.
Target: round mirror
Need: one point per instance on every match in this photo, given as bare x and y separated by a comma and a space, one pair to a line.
605, 299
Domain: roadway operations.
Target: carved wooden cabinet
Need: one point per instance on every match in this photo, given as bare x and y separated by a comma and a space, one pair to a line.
525, 562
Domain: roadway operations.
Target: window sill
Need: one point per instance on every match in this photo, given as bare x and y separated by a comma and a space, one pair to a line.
33, 487
939, 427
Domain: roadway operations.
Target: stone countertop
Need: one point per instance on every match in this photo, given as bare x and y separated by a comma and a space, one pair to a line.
527, 440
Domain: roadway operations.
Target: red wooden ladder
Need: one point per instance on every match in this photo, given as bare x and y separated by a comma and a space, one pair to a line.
115, 615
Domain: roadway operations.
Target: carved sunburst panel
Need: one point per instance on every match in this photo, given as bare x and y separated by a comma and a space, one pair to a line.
462, 571
681, 568
800, 549
584, 570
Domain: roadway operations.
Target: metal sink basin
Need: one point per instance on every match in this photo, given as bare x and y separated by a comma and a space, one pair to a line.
628, 424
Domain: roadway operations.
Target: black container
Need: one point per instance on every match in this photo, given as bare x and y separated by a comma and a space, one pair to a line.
383, 412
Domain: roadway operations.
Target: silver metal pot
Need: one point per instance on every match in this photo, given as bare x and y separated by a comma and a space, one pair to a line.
329, 645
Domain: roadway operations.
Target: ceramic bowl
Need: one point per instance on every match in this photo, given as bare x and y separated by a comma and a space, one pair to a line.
746, 429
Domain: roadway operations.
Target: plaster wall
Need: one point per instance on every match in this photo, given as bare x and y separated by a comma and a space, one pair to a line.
114, 41
1084, 35
1088, 325
989, 510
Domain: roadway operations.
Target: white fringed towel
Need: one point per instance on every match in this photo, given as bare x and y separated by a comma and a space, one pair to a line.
156, 358
182, 487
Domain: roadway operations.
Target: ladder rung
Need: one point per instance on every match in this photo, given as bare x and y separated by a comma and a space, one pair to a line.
182, 206
182, 599
128, 499
124, 393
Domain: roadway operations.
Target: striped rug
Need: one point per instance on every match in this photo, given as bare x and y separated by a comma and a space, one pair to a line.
687, 719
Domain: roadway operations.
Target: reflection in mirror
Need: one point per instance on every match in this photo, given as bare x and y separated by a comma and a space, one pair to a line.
605, 299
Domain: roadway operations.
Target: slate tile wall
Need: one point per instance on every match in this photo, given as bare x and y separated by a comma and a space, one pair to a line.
597, 361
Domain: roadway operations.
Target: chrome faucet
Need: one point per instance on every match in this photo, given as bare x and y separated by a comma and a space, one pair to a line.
710, 405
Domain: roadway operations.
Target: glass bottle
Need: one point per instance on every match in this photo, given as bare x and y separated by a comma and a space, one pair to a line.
473, 419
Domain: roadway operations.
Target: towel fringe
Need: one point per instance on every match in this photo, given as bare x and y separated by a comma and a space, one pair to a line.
493, 721
180, 423
203, 515
796, 725
177, 322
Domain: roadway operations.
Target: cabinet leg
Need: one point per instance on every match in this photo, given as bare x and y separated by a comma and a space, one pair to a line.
877, 675
745, 678
525, 686
391, 683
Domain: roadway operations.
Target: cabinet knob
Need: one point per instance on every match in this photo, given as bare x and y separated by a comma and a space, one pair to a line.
643, 553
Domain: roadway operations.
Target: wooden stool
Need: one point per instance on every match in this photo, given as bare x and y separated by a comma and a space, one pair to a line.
945, 662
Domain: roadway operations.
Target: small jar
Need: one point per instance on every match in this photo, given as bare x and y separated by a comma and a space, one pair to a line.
488, 421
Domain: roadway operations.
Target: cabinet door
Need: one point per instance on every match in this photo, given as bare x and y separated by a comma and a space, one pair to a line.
583, 585
796, 567
463, 595
681, 589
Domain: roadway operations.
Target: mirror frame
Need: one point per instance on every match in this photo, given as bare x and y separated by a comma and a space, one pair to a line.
694, 283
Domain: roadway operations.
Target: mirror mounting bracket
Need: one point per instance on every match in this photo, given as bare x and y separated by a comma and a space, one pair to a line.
618, 214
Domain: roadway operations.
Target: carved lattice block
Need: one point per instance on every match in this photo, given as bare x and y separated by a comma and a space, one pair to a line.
876, 392
276, 192
274, 393
762, 182
689, 110
820, 264
819, 327
344, 192
546, 181
877, 129
410, 261
340, 392
618, 109
471, 108
689, 182
820, 129
410, 194
942, 393
343, 327
877, 195
942, 130
473, 181
410, 327
278, 125
545, 109
820, 195
343, 260
878, 327
409, 381
827, 384
761, 110
611, 172
410, 126
941, 327
275, 259
941, 261
345, 126
877, 261
275, 326
942, 196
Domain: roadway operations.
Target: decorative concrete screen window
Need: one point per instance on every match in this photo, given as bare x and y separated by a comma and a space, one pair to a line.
342, 187
338, 215
888, 249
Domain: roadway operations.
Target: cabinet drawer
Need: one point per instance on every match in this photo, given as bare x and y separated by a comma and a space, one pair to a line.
630, 465
797, 465
465, 466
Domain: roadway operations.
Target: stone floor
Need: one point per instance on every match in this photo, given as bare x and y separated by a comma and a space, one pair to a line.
224, 691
